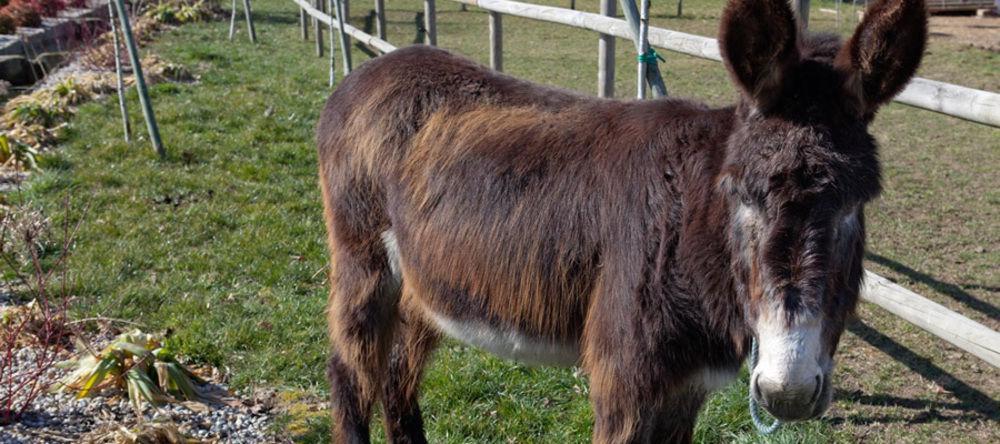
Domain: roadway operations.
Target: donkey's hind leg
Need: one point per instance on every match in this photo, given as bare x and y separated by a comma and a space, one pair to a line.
362, 313
415, 340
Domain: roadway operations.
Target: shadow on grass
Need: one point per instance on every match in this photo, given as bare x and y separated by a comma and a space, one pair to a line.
272, 17
954, 291
976, 404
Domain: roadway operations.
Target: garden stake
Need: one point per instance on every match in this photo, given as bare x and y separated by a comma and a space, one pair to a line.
232, 21
652, 71
249, 14
118, 73
140, 81
344, 49
333, 52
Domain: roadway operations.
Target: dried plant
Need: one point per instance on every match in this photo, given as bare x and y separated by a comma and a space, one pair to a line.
33, 334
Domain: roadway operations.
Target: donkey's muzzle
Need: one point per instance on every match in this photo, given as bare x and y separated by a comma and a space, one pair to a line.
791, 401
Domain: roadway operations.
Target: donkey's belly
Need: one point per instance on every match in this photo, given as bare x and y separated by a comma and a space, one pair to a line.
453, 313
507, 343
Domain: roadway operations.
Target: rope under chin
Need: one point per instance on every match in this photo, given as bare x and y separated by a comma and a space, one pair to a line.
758, 423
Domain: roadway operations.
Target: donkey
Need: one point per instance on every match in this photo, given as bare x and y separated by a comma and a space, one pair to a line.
647, 241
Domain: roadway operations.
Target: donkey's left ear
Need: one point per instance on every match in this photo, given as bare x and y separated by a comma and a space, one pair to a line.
885, 51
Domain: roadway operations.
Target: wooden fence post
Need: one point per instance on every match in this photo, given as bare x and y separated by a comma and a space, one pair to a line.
606, 56
140, 80
118, 73
496, 41
380, 18
304, 22
345, 48
346, 6
319, 5
801, 8
430, 22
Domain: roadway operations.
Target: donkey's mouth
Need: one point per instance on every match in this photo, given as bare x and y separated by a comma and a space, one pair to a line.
794, 405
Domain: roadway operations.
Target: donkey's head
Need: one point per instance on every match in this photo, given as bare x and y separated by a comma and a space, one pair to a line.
800, 167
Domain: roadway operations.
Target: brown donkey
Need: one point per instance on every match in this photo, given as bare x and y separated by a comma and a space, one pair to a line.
646, 241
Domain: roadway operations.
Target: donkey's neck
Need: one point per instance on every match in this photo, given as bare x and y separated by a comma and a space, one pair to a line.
703, 250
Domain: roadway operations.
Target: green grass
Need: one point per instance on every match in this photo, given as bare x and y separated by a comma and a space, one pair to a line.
223, 242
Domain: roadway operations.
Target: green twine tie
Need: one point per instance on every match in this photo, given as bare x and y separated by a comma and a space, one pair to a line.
649, 57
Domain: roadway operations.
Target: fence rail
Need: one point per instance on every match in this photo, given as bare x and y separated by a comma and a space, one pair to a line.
954, 100
368, 39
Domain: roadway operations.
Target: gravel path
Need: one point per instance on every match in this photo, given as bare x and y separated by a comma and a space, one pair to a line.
59, 417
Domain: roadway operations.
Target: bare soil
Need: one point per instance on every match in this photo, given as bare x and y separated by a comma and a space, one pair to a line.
983, 33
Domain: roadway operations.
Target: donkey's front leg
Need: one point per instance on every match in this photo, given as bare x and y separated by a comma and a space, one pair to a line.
626, 403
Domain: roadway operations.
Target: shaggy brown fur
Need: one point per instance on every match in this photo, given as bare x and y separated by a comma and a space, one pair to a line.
602, 225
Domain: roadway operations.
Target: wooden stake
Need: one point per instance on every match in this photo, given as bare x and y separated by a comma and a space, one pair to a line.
380, 19
333, 51
232, 22
140, 80
345, 48
127, 126
304, 23
319, 4
249, 14
652, 71
496, 41
606, 56
430, 22
643, 48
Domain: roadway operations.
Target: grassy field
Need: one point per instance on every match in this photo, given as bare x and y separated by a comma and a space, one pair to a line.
223, 241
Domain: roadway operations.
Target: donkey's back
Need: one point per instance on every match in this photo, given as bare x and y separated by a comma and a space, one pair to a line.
384, 102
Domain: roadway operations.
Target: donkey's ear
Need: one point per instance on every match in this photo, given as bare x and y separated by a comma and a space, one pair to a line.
759, 43
885, 51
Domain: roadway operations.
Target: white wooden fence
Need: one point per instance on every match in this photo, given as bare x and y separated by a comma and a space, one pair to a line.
953, 100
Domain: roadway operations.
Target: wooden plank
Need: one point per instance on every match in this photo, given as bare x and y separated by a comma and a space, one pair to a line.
963, 332
496, 41
363, 37
946, 98
606, 56
953, 100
